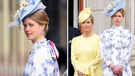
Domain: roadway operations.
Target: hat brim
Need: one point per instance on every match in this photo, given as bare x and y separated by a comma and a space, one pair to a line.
119, 6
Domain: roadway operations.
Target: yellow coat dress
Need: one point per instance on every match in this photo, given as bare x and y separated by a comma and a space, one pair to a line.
85, 55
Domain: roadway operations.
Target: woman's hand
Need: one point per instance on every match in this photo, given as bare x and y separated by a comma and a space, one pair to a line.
121, 67
116, 70
79, 73
112, 66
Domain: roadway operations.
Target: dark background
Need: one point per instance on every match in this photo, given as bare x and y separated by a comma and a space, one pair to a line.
57, 13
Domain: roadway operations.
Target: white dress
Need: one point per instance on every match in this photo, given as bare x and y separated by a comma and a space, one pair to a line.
42, 60
116, 48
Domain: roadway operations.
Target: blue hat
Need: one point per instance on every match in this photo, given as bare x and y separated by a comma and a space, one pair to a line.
27, 7
113, 7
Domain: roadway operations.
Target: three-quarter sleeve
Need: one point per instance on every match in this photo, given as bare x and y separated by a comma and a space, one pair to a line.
127, 49
103, 50
74, 59
41, 64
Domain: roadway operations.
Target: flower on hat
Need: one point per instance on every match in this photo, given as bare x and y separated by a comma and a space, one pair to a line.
17, 16
27, 7
110, 6
23, 4
113, 7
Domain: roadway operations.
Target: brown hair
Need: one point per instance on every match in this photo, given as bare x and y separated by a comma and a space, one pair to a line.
92, 18
41, 18
121, 11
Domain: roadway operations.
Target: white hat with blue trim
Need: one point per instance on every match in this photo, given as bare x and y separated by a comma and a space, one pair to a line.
27, 7
113, 7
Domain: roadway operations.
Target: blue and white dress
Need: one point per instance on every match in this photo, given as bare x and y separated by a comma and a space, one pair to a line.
42, 60
116, 48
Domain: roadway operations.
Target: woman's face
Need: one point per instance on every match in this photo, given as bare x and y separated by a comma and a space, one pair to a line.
33, 30
87, 25
117, 18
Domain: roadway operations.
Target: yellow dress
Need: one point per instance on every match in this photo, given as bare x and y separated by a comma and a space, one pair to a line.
85, 55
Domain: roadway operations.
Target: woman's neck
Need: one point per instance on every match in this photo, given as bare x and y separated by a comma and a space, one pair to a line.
87, 34
37, 39
117, 25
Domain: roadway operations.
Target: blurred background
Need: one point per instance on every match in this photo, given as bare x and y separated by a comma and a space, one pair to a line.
15, 47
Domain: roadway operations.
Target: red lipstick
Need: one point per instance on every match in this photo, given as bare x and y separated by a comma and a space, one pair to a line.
28, 34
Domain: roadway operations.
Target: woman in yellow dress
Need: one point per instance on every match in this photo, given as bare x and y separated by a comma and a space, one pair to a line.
85, 55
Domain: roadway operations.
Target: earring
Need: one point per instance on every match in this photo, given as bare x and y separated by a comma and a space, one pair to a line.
42, 31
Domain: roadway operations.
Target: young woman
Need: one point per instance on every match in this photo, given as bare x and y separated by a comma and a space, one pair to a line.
43, 57
85, 48
116, 44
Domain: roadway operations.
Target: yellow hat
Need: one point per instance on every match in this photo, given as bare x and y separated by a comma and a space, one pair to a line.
84, 14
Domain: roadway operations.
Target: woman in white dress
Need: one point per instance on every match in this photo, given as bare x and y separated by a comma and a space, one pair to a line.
43, 57
116, 43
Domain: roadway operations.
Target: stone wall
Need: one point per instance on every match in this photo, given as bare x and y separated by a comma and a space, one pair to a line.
102, 22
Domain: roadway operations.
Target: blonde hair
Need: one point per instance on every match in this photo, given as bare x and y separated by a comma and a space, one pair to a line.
41, 18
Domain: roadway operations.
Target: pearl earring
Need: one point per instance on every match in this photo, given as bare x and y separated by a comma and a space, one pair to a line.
42, 31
